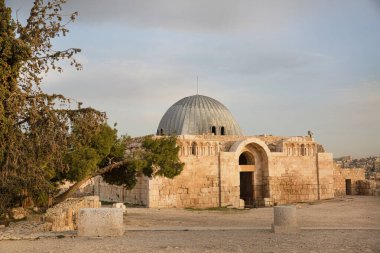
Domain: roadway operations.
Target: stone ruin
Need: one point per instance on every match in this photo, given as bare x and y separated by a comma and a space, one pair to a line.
64, 216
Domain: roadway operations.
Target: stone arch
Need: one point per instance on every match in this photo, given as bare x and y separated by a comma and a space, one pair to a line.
246, 158
259, 171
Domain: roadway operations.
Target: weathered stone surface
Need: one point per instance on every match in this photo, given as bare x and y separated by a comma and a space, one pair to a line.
285, 219
18, 213
100, 222
285, 170
64, 216
121, 206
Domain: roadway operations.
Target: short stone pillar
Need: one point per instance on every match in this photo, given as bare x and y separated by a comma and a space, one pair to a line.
285, 220
121, 206
241, 204
100, 222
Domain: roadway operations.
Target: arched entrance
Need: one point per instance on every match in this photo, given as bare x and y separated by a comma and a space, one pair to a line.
252, 156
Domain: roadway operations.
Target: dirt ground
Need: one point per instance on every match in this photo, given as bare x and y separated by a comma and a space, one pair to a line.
350, 224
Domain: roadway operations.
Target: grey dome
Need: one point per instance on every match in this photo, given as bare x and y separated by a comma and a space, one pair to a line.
196, 115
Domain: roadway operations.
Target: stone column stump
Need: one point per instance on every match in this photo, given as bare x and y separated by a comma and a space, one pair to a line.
100, 222
285, 220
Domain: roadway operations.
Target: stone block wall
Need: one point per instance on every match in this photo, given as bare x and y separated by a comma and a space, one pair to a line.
64, 216
300, 178
230, 180
340, 176
325, 164
196, 186
366, 187
206, 181
211, 176
113, 193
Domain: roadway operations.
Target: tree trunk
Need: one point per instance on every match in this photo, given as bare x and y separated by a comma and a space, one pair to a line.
72, 189
70, 192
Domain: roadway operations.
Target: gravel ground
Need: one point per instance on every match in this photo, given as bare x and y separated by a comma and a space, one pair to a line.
340, 225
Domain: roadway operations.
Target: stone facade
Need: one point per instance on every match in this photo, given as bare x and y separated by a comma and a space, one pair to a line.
346, 180
113, 193
261, 170
273, 170
225, 168
293, 171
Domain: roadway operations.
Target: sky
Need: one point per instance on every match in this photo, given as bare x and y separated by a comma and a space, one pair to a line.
281, 67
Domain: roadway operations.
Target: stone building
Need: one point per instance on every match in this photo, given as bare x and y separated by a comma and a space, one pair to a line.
223, 167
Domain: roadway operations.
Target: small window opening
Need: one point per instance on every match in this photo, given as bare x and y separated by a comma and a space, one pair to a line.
161, 131
213, 130
222, 130
194, 149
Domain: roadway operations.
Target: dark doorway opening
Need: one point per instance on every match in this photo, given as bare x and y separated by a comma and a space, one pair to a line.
348, 187
194, 149
246, 188
222, 131
246, 158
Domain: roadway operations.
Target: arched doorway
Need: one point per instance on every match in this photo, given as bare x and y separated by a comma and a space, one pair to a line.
246, 160
252, 156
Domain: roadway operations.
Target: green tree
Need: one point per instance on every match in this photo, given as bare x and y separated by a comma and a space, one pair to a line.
34, 126
154, 156
45, 139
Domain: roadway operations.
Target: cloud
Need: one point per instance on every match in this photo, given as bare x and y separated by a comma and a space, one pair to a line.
281, 67
191, 15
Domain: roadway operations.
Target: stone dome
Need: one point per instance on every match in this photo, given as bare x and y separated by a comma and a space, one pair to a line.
197, 115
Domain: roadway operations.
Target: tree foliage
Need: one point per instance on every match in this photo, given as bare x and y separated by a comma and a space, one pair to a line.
34, 126
154, 156
45, 138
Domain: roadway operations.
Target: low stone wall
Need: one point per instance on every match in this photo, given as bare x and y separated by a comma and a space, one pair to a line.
340, 176
113, 193
366, 187
64, 216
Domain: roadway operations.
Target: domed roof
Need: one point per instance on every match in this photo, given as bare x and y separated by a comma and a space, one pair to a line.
196, 115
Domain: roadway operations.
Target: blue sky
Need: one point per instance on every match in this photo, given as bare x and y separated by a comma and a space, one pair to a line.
281, 67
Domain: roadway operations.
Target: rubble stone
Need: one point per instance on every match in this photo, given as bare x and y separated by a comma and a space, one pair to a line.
18, 213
